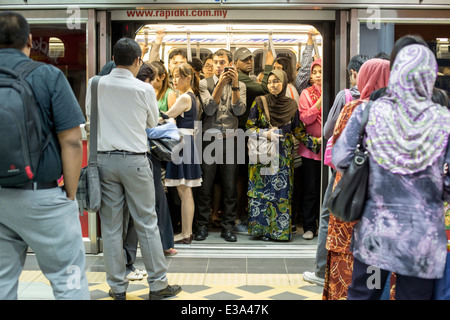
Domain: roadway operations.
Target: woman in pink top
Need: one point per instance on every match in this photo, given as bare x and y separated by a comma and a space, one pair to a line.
310, 111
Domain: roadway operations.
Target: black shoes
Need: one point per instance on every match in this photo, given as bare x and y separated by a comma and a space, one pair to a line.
167, 292
201, 233
228, 235
117, 296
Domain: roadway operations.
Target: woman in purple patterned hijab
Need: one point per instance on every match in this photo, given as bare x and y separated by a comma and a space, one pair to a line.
402, 228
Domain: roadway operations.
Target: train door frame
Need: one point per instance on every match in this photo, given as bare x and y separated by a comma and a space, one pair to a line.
392, 24
89, 220
334, 31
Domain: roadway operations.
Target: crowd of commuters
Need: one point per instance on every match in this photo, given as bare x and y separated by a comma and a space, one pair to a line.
401, 231
227, 195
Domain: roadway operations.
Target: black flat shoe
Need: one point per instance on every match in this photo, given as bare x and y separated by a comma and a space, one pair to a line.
228, 235
167, 292
201, 234
117, 296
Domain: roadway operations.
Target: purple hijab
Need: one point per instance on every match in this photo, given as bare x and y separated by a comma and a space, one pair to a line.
406, 131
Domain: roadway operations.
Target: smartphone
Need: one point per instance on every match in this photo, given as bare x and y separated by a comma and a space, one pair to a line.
226, 69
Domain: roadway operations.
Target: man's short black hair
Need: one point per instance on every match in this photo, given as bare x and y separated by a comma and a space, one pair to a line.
146, 72
178, 52
382, 55
196, 64
125, 51
14, 30
356, 62
224, 52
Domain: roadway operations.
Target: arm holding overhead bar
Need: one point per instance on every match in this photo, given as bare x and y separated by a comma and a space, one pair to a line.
154, 51
303, 75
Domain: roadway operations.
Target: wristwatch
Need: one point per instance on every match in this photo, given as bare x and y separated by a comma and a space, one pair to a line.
235, 88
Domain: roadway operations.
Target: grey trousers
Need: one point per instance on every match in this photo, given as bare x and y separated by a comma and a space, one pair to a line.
129, 177
321, 253
48, 222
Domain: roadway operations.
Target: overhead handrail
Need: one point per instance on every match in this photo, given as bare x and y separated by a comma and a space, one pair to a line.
271, 46
316, 49
188, 39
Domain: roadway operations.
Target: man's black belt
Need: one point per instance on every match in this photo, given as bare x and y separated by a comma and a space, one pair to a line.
122, 152
35, 185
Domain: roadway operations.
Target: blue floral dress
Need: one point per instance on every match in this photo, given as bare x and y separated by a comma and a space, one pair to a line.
270, 196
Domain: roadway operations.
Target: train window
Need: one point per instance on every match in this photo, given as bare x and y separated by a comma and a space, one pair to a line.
281, 52
65, 49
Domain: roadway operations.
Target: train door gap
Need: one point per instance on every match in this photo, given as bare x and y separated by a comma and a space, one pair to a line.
286, 40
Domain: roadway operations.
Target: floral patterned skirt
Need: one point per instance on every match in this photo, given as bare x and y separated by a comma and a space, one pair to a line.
269, 219
269, 197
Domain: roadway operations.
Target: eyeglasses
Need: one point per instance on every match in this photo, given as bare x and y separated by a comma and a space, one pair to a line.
274, 82
207, 66
141, 62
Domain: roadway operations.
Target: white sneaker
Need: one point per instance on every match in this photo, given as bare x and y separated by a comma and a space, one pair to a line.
312, 278
139, 271
308, 235
134, 276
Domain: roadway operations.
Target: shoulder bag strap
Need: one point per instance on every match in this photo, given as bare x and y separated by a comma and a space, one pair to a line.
365, 118
266, 110
94, 122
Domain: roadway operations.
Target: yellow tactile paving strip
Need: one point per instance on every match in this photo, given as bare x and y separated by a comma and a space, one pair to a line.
207, 286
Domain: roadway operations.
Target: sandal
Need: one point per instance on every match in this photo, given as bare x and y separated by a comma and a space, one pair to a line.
184, 241
170, 252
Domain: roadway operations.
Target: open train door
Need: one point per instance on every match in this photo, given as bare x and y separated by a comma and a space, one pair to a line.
332, 26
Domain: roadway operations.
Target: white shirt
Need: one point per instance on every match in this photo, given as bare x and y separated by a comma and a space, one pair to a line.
126, 107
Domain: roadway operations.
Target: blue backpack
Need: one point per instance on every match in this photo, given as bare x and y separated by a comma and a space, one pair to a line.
21, 144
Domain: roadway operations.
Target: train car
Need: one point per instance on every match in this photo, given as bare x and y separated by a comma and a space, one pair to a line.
78, 36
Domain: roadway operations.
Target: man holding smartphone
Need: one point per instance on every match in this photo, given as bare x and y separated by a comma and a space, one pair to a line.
223, 102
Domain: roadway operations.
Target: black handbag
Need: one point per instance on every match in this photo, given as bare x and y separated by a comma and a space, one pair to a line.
162, 148
348, 199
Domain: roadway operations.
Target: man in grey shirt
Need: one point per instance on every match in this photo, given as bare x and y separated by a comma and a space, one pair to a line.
223, 98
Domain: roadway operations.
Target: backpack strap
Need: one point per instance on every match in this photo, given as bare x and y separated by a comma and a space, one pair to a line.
365, 118
23, 70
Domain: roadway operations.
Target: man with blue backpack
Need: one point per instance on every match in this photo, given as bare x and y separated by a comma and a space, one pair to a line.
40, 140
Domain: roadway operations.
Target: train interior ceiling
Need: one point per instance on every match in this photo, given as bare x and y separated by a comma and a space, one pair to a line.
203, 39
